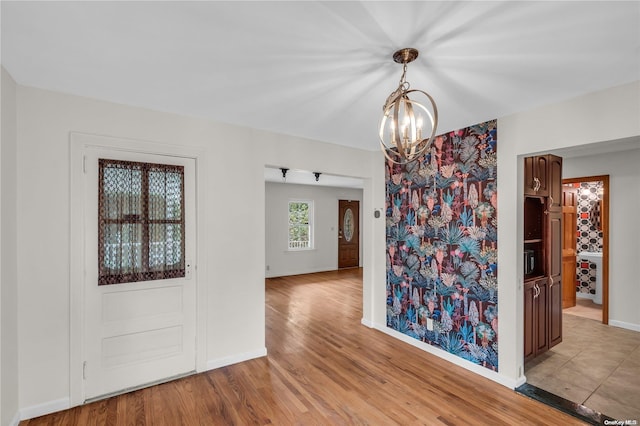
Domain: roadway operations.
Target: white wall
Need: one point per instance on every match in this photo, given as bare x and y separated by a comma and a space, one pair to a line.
234, 205
235, 199
324, 256
602, 116
8, 261
624, 234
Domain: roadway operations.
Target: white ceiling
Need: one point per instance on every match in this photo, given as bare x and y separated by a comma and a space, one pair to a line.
322, 70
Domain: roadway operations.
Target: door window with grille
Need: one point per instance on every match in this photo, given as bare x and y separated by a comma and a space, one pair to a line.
141, 222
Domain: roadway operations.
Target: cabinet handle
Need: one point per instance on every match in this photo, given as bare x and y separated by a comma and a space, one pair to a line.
550, 201
550, 282
536, 184
537, 291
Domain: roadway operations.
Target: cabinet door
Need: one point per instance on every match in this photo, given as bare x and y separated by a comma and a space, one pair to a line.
529, 175
529, 322
542, 167
555, 279
555, 310
541, 317
554, 183
554, 245
535, 175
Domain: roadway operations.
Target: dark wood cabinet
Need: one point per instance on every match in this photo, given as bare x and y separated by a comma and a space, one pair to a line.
536, 318
555, 279
555, 310
542, 254
535, 175
554, 180
529, 308
543, 178
529, 302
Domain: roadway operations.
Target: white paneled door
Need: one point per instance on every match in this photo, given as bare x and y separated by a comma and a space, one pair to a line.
136, 333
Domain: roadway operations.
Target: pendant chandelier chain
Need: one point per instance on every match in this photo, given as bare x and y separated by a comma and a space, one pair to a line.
403, 87
404, 84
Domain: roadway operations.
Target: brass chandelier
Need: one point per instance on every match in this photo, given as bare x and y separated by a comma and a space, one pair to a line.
401, 126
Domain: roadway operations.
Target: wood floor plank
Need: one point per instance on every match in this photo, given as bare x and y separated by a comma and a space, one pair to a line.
323, 368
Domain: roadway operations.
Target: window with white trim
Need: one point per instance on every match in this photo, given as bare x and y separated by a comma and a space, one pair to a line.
300, 225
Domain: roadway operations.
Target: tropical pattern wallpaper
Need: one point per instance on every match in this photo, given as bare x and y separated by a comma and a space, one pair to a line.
441, 236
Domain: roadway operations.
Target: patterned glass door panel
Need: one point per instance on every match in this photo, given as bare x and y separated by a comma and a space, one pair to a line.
348, 234
348, 225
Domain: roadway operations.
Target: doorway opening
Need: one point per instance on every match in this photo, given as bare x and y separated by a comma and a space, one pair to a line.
579, 370
147, 338
585, 247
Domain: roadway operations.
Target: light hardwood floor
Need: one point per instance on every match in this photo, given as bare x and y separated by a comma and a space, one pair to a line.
323, 368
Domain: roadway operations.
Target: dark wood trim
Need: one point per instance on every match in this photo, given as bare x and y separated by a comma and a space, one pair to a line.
605, 237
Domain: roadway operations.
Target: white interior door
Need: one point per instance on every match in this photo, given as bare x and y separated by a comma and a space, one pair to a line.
143, 332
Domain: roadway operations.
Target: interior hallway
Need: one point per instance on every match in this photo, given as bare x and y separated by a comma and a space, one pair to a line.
596, 365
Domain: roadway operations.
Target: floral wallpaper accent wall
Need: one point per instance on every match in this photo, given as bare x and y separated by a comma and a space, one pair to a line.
441, 225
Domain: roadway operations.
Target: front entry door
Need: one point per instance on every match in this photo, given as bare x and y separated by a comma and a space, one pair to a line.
144, 332
348, 234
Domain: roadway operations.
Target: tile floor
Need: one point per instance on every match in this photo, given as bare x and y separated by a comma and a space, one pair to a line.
595, 365
585, 308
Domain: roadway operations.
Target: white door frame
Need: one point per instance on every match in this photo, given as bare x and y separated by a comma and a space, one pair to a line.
79, 143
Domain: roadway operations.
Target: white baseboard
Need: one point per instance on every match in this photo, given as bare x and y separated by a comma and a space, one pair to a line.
64, 403
367, 323
315, 270
518, 382
45, 408
627, 325
277, 274
467, 365
234, 359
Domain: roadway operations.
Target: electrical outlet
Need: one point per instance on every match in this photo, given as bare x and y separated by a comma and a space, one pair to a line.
429, 324
268, 267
